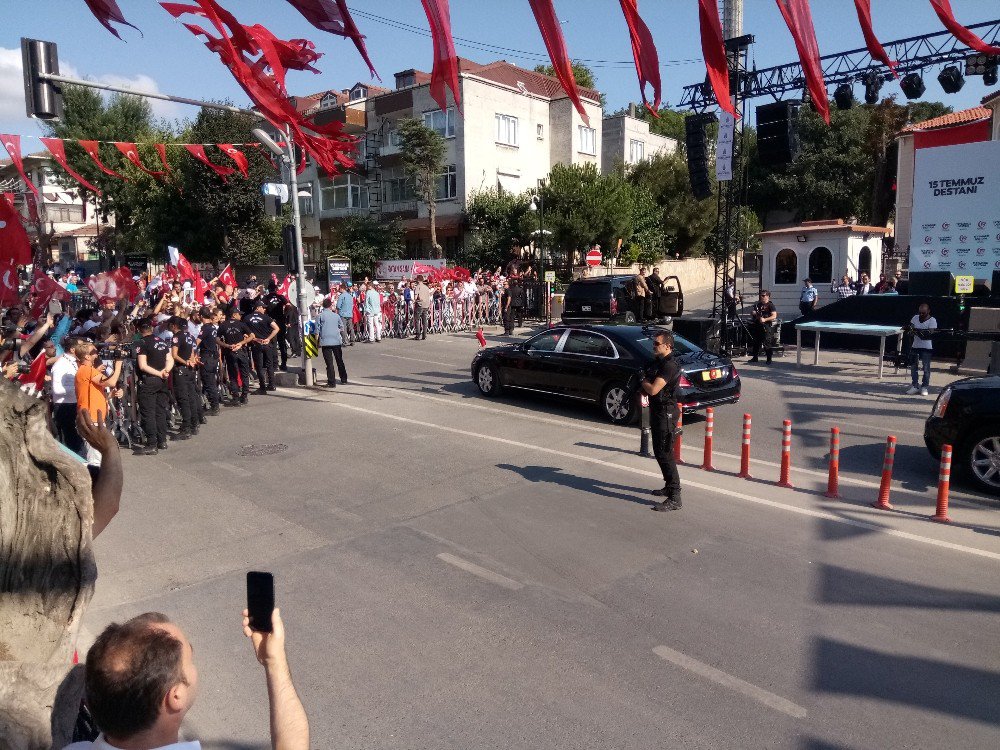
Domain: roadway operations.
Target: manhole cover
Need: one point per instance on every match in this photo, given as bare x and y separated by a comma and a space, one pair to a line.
267, 449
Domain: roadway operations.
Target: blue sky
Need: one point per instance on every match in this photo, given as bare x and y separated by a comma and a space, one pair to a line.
169, 59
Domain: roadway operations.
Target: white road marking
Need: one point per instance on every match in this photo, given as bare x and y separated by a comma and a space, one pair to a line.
439, 363
708, 488
484, 573
688, 447
733, 683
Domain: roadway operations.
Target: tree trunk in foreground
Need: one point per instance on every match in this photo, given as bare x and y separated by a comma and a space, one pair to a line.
47, 575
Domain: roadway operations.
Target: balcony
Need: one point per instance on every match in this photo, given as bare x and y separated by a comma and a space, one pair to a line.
341, 212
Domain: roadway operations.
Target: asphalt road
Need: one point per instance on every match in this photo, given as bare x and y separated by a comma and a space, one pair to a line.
457, 572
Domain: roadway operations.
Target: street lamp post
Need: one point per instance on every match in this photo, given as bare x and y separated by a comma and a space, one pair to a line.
538, 206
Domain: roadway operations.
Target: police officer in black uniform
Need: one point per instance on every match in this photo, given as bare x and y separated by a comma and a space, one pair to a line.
208, 353
764, 314
154, 365
233, 337
276, 308
262, 347
185, 388
660, 384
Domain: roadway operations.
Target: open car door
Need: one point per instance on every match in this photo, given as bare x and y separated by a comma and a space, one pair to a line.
672, 298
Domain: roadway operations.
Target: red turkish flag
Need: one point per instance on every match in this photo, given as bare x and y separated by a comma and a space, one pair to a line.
284, 286
647, 62
947, 16
875, 48
14, 243
227, 277
131, 152
335, 17
8, 283
237, 156
198, 152
13, 145
713, 49
58, 150
200, 287
107, 11
548, 24
798, 18
91, 147
127, 288
445, 70
34, 379
103, 286
161, 149
46, 289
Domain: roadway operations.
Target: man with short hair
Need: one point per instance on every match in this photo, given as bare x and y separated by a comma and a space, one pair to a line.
373, 313
808, 297
922, 325
233, 337
655, 286
422, 308
261, 348
140, 682
844, 289
763, 314
331, 343
864, 285
184, 353
660, 384
345, 309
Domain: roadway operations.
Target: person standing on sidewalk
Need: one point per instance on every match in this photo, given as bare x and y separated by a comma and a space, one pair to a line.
328, 327
345, 309
808, 297
660, 384
373, 313
922, 325
422, 308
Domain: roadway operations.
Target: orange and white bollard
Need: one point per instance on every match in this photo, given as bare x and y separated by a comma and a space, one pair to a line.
706, 462
944, 481
677, 434
745, 451
883, 490
833, 481
785, 480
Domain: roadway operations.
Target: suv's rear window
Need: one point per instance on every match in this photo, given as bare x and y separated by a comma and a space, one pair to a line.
589, 290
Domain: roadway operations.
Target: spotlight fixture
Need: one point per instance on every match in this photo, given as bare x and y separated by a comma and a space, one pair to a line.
913, 86
990, 74
844, 96
951, 79
873, 85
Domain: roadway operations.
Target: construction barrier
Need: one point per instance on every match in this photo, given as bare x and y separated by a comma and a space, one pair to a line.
745, 451
678, 433
706, 463
944, 481
833, 481
785, 480
883, 490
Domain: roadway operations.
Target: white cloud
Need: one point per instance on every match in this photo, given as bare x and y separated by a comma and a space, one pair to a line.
12, 113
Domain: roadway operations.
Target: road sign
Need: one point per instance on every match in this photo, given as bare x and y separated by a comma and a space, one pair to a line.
293, 293
964, 284
594, 258
550, 276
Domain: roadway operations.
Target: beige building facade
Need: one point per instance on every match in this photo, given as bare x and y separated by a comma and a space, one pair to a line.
627, 140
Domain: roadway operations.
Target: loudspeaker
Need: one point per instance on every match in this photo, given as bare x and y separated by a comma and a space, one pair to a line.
696, 144
777, 133
931, 283
699, 331
995, 286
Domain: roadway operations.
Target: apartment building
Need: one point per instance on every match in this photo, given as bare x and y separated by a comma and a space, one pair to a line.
627, 140
515, 125
64, 218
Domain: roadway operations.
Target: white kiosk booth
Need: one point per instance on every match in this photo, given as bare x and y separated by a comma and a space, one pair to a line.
819, 250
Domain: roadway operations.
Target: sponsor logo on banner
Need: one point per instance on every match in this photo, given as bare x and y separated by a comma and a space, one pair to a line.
928, 240
944, 265
944, 252
981, 237
980, 251
928, 251
997, 224
945, 239
982, 225
945, 226
963, 251
961, 264
927, 265
928, 227
980, 264
963, 238
964, 224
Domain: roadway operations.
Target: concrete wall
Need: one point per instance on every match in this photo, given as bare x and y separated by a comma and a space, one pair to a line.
694, 273
619, 131
564, 122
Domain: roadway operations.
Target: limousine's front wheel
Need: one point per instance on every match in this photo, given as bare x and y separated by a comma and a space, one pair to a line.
488, 380
618, 403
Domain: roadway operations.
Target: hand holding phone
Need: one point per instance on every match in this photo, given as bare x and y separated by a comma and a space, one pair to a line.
260, 600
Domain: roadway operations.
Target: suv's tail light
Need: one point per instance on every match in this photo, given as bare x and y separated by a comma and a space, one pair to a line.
684, 382
614, 306
942, 403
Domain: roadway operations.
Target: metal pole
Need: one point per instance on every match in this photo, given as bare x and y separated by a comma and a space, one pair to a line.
299, 260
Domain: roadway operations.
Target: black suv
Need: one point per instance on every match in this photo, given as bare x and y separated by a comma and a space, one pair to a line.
605, 299
966, 416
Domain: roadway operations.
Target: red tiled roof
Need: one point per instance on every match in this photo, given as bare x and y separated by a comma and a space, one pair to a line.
826, 225
950, 120
505, 73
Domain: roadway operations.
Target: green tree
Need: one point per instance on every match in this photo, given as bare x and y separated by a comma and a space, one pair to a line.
423, 153
497, 219
366, 240
584, 76
685, 222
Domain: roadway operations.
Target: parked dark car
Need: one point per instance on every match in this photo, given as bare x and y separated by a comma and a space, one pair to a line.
966, 416
601, 364
605, 299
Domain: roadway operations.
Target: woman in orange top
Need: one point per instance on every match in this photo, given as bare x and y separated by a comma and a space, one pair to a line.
92, 384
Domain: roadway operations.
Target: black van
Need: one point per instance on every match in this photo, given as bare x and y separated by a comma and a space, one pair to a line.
604, 299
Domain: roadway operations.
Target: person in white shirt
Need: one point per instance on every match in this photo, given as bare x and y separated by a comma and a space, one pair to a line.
922, 325
64, 399
141, 680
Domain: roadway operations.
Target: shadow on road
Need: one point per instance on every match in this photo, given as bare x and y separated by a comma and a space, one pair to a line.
554, 475
839, 585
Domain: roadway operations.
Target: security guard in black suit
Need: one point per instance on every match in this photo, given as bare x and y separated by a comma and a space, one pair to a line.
154, 366
262, 347
208, 354
233, 337
661, 386
185, 386
276, 307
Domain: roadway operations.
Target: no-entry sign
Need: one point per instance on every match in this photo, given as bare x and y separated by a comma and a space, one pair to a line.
594, 258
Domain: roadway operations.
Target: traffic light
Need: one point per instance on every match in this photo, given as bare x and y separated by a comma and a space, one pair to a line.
42, 98
288, 247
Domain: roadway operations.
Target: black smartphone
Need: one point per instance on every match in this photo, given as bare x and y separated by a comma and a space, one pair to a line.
260, 600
